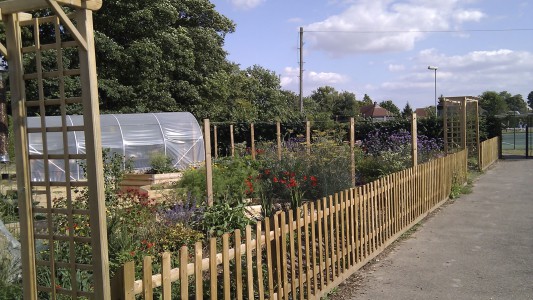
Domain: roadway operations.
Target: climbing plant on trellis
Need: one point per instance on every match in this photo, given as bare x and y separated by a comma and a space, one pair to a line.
52, 67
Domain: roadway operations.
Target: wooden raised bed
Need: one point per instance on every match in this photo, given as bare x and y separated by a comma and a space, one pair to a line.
139, 180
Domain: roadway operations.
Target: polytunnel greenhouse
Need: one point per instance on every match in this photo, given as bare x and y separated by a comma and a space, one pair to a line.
134, 136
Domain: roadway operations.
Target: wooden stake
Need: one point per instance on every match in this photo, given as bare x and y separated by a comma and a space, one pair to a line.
352, 149
232, 141
208, 164
414, 141
215, 136
252, 140
308, 136
278, 135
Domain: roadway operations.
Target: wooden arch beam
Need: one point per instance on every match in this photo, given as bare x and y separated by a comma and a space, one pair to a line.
67, 22
22, 17
16, 6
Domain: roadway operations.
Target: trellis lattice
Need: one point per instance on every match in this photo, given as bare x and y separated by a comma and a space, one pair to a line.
461, 124
53, 72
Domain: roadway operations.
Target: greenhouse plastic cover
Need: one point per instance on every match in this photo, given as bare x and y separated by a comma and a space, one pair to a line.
135, 136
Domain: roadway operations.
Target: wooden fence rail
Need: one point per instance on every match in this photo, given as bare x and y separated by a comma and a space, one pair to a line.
489, 152
301, 254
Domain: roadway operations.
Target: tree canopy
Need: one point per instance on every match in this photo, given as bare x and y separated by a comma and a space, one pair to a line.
390, 106
493, 103
326, 103
160, 55
407, 111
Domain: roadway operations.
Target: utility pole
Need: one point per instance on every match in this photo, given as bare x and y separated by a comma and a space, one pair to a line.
301, 68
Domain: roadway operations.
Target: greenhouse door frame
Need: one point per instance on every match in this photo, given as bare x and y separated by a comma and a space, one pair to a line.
72, 31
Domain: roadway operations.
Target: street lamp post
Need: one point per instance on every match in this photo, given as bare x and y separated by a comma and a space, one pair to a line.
435, 69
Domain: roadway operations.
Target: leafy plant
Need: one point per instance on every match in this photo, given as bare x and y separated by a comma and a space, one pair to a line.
221, 218
160, 164
8, 209
229, 179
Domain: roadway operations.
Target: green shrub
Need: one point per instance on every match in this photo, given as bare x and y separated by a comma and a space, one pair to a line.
8, 209
229, 180
222, 218
160, 163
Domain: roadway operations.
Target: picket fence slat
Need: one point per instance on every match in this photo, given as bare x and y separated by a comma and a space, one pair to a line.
304, 253
238, 264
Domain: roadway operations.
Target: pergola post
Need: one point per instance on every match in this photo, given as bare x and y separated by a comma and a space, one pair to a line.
15, 16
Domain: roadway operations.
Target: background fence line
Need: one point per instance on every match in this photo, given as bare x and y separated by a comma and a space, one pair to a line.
307, 252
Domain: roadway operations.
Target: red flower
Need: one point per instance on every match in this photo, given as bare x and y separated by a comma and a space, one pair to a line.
313, 181
267, 171
250, 188
292, 183
275, 179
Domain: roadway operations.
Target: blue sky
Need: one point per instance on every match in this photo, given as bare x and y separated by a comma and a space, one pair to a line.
383, 47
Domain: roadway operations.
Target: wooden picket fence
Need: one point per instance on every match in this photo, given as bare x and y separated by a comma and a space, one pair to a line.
301, 254
489, 152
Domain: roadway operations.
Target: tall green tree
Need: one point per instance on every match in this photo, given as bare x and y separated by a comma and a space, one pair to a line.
367, 100
407, 111
390, 106
328, 103
160, 55
530, 99
516, 103
493, 103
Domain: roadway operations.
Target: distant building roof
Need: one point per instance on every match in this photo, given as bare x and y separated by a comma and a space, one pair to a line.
374, 111
422, 112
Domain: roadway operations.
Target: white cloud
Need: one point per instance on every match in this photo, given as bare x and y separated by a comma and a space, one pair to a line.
468, 15
295, 20
370, 26
468, 74
246, 4
327, 77
312, 79
396, 68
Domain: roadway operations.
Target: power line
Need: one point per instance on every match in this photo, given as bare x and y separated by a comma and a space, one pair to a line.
419, 31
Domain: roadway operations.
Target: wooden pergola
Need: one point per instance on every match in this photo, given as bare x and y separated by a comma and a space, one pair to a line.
461, 124
71, 32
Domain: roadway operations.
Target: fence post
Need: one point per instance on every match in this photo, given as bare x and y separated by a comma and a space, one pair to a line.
208, 165
481, 162
414, 142
123, 282
252, 140
352, 150
308, 136
215, 142
477, 134
278, 135
527, 140
445, 125
232, 141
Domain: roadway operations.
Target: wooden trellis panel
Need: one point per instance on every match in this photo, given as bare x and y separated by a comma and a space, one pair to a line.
52, 67
461, 124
